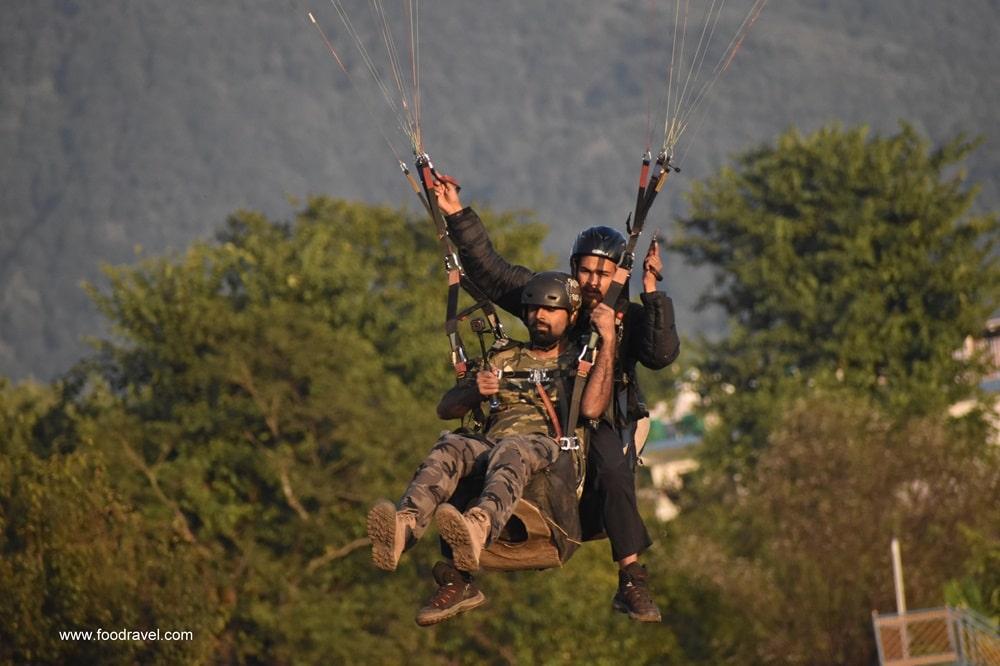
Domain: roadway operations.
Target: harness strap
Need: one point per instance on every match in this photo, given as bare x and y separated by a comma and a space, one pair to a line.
624, 270
550, 410
656, 182
453, 267
583, 366
537, 376
643, 175
459, 359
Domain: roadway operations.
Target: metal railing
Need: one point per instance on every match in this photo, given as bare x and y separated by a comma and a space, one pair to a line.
936, 636
978, 639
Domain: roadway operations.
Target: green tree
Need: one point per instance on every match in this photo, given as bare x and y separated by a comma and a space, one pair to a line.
851, 270
74, 555
261, 392
800, 558
841, 258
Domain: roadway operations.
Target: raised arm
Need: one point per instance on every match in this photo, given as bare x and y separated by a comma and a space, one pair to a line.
500, 280
650, 328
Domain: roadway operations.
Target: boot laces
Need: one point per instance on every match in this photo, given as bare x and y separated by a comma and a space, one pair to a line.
637, 594
445, 595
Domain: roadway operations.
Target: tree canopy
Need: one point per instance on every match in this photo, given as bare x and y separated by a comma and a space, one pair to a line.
851, 270
841, 257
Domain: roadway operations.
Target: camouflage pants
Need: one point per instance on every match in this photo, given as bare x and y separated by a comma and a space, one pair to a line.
509, 464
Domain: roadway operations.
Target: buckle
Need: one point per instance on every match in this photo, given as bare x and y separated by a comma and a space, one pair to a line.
628, 261
538, 376
570, 443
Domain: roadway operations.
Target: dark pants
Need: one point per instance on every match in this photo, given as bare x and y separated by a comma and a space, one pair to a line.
608, 503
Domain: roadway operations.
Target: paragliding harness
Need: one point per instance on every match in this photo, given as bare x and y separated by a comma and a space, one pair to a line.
544, 530
681, 112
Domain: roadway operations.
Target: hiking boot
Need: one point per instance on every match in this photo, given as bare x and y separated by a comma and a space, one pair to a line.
389, 530
455, 594
466, 534
633, 596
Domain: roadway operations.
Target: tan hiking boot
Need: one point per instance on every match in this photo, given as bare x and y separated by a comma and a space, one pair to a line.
466, 534
633, 596
455, 594
389, 530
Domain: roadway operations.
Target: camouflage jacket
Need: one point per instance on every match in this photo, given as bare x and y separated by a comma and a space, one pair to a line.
521, 409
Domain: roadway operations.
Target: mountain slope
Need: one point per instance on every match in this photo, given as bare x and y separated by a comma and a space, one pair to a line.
132, 124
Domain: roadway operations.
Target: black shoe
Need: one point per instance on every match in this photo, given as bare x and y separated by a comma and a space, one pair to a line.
633, 596
455, 594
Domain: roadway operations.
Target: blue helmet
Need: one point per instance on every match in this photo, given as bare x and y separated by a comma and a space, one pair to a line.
598, 242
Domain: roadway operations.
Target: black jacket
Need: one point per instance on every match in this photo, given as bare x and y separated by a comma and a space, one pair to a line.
648, 334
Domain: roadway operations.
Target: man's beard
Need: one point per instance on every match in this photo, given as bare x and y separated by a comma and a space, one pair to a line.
542, 339
591, 299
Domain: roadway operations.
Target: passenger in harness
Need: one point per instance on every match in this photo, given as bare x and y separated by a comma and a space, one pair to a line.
647, 336
522, 435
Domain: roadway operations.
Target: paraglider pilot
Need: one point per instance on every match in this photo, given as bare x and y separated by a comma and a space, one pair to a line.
647, 334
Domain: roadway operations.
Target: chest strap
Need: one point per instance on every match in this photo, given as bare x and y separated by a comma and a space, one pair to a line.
539, 375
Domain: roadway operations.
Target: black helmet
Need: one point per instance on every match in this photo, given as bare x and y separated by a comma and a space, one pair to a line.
552, 289
599, 242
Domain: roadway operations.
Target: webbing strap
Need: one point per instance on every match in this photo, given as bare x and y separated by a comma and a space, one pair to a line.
643, 175
537, 375
550, 410
583, 366
456, 276
657, 179
427, 177
459, 359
